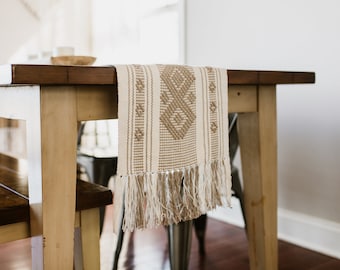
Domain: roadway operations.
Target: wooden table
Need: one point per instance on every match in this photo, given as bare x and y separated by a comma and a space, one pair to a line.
53, 99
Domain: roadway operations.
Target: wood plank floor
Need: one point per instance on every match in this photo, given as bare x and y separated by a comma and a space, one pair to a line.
226, 247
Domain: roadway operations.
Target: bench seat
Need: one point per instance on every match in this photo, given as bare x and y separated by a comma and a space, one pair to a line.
15, 210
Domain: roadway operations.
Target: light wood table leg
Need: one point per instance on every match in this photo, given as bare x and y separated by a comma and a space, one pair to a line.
90, 237
258, 145
52, 137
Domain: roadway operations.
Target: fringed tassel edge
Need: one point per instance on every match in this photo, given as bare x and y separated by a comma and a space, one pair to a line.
164, 198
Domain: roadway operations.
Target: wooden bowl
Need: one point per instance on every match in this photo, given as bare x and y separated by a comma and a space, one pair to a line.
73, 60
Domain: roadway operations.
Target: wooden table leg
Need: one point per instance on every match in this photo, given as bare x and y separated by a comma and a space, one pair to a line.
52, 137
258, 145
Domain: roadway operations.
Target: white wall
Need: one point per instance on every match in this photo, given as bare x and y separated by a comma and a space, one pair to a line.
114, 31
37, 29
298, 35
17, 25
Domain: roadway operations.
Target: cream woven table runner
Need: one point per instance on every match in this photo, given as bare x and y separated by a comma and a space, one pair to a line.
173, 149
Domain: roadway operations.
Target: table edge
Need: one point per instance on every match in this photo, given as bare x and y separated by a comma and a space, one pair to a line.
11, 74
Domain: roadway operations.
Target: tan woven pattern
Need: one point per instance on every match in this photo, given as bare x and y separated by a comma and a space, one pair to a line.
177, 112
178, 117
173, 160
138, 119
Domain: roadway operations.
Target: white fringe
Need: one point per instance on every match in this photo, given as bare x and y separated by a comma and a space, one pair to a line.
164, 198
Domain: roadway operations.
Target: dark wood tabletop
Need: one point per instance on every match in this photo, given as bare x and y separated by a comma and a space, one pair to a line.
106, 75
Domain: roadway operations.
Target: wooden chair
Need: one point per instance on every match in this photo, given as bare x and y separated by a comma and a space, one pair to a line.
15, 211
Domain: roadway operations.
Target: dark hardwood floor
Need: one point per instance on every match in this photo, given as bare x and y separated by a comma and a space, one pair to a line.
226, 247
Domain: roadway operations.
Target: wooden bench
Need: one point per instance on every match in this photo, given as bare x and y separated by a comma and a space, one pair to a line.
15, 210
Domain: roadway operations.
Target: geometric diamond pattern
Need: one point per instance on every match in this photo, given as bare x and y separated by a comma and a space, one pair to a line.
212, 87
178, 116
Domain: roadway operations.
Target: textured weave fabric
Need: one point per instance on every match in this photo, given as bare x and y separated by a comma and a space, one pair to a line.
173, 156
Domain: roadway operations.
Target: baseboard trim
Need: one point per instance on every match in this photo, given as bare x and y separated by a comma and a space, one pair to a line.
309, 232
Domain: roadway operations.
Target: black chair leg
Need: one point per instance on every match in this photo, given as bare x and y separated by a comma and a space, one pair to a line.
179, 239
200, 225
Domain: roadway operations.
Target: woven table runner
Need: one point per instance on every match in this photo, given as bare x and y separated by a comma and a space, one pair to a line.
173, 154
